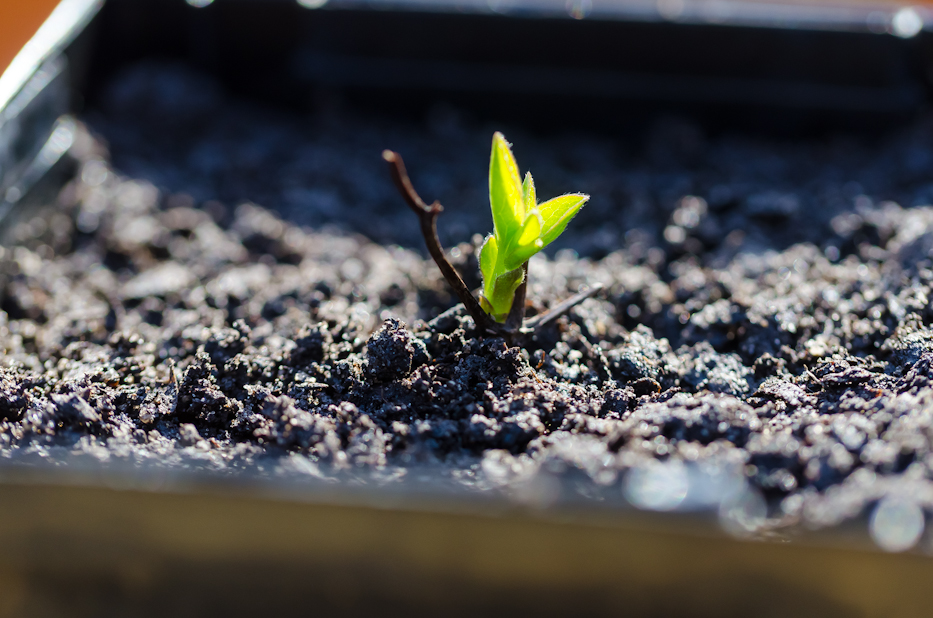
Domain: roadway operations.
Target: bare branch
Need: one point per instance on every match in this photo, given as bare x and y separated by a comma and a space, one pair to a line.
427, 215
559, 309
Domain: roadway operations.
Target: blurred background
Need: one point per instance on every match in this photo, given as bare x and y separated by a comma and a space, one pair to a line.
284, 103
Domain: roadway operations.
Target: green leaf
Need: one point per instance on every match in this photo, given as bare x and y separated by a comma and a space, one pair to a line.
528, 193
487, 258
531, 229
558, 212
486, 305
528, 243
499, 293
505, 189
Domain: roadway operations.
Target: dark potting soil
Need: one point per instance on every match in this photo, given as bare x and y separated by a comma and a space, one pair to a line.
236, 288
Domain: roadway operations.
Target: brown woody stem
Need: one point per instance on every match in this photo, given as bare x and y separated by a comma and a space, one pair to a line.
427, 215
559, 309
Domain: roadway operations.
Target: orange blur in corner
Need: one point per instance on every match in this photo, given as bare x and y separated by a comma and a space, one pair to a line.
19, 20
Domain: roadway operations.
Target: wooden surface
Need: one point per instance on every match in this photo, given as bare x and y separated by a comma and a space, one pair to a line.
19, 20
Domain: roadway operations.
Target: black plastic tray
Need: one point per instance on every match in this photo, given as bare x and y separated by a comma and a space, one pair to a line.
92, 541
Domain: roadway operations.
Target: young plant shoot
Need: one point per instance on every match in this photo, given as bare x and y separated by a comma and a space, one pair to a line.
521, 228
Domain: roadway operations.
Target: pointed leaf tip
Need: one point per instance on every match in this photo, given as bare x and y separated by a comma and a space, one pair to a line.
528, 192
505, 189
558, 212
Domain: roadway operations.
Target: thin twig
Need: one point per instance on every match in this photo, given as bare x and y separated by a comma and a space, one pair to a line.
427, 215
559, 309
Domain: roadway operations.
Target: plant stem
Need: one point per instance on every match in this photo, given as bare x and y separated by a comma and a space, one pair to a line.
427, 215
559, 309
513, 322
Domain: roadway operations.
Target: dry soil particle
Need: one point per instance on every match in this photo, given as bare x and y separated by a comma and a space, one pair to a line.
766, 307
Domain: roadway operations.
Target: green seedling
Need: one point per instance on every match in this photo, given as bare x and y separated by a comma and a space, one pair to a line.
521, 228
